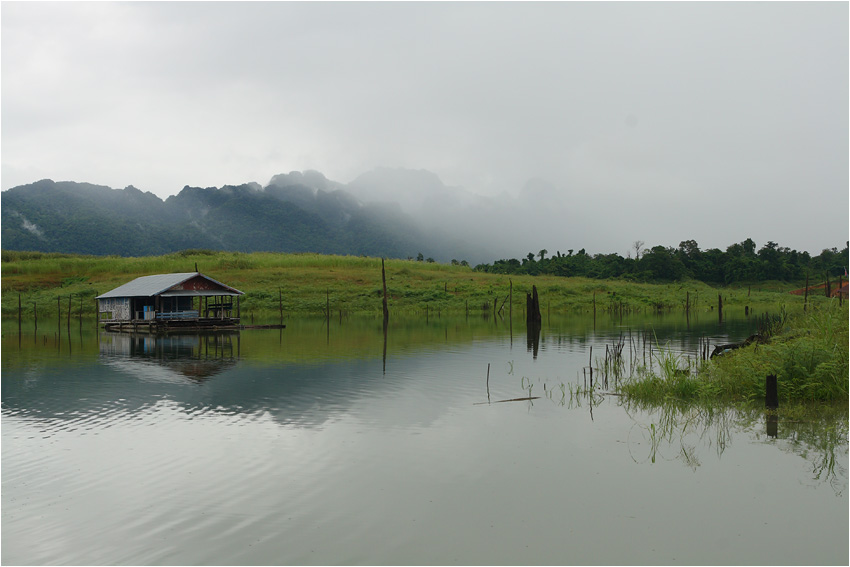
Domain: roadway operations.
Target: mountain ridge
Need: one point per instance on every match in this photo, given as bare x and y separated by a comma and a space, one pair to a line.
294, 212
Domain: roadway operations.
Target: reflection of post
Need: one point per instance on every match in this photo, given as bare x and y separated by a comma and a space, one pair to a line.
533, 339
385, 347
771, 424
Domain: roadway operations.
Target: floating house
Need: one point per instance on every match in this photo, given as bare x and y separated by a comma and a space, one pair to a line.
165, 301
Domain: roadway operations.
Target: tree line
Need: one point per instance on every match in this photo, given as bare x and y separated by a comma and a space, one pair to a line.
740, 262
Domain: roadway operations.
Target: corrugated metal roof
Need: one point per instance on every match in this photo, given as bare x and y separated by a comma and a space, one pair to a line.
147, 286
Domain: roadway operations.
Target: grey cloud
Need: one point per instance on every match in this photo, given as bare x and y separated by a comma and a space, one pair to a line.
652, 121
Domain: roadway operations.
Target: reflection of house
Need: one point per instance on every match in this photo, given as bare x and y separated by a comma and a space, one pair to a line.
172, 357
170, 300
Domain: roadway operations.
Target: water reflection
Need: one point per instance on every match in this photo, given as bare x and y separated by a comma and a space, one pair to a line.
683, 432
374, 445
170, 358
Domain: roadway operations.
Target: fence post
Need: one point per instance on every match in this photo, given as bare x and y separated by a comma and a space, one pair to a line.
771, 389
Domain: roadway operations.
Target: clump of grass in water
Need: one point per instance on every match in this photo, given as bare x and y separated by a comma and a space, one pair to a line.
808, 352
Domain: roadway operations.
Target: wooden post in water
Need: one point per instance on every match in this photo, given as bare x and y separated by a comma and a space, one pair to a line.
35, 314
511, 302
328, 306
720, 307
280, 303
81, 311
771, 390
69, 309
384, 281
19, 314
58, 311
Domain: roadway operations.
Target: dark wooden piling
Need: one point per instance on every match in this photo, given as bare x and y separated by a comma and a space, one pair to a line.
511, 302
280, 303
771, 390
35, 314
19, 314
532, 303
719, 308
384, 280
69, 309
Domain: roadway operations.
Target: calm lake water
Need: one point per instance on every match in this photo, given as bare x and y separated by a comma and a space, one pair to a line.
326, 444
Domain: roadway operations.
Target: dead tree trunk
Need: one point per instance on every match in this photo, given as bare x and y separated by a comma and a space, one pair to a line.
532, 303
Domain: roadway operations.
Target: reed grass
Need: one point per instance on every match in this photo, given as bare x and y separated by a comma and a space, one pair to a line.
808, 352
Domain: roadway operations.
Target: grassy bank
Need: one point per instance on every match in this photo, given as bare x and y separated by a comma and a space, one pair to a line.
305, 283
807, 351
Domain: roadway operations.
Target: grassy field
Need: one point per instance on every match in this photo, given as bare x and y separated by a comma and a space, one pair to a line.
305, 283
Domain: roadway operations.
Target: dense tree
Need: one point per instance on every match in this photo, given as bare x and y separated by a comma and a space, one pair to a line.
739, 263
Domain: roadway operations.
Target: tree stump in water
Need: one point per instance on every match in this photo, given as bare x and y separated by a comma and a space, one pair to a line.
532, 303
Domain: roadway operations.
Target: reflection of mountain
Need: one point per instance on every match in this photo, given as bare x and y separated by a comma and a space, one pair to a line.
170, 358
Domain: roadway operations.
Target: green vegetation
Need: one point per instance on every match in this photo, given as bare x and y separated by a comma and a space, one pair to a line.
739, 263
807, 351
305, 283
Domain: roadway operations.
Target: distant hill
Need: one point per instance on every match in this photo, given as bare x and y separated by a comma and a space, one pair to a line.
295, 212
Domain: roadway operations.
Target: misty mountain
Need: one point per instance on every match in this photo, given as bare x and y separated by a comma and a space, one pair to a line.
296, 212
392, 212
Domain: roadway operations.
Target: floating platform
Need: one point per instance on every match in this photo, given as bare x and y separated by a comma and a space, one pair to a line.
174, 325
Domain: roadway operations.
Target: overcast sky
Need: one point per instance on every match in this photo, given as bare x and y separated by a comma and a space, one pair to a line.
658, 122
